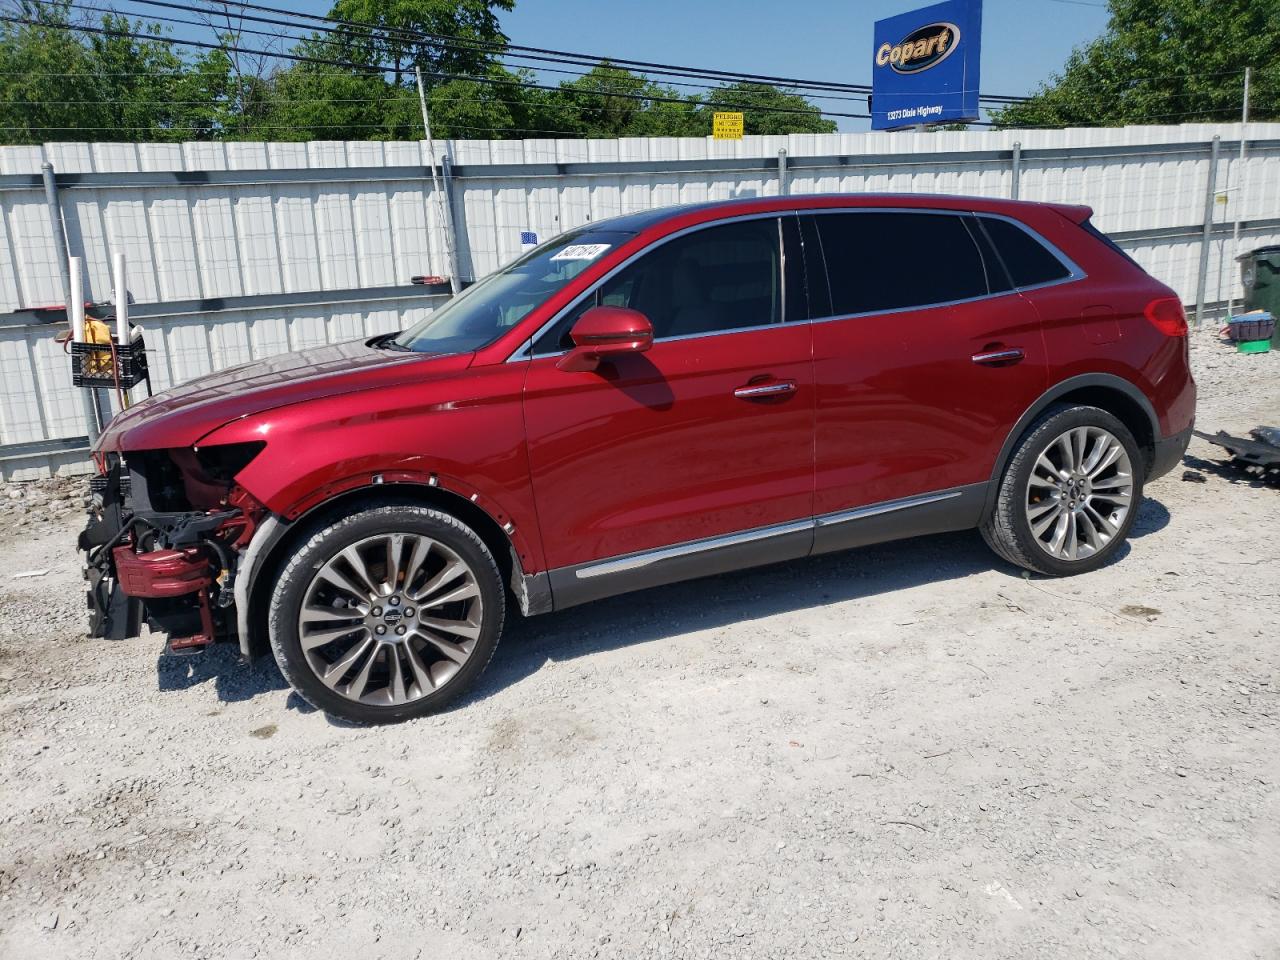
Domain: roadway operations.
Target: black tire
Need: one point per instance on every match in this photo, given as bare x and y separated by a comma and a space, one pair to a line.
322, 544
1008, 529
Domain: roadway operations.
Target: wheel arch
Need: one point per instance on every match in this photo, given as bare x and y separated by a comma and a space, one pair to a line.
1106, 391
264, 560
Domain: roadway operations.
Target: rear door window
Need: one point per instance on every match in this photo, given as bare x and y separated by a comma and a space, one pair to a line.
1028, 261
879, 261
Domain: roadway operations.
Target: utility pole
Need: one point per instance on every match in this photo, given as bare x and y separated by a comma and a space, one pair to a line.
1240, 190
446, 215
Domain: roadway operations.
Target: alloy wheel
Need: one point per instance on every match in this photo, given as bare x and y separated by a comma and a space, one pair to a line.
1079, 493
390, 619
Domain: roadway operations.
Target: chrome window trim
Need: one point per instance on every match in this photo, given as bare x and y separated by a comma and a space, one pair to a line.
635, 561
1075, 273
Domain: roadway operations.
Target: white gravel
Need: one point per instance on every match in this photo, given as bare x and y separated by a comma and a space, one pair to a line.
904, 751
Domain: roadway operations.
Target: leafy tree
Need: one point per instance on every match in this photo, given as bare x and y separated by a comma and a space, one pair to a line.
396, 46
1165, 61
765, 109
106, 87
358, 84
470, 109
610, 101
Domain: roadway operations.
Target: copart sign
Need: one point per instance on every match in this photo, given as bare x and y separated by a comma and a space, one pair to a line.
926, 66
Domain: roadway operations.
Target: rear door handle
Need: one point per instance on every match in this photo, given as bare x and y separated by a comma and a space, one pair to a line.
1006, 355
763, 391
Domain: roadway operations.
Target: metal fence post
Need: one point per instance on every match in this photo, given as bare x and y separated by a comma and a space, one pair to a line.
55, 224
454, 283
446, 172
1015, 169
784, 185
94, 417
1210, 192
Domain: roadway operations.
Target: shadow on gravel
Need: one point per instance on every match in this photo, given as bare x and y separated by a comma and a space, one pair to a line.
1152, 517
1233, 471
233, 679
663, 612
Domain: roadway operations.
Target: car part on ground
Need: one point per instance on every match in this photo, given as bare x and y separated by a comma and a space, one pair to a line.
1259, 456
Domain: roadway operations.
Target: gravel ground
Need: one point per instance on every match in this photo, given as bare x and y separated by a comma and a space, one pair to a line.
903, 751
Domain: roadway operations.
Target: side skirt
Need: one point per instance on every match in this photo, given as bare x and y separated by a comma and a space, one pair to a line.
944, 511
938, 512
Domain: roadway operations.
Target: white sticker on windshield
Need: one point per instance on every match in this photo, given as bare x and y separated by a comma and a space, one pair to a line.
581, 251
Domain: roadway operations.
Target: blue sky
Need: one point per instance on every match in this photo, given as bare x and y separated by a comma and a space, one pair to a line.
1023, 42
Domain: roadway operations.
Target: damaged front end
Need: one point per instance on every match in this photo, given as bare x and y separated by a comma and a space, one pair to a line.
163, 543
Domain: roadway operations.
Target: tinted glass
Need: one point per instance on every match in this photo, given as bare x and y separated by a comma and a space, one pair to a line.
815, 272
720, 278
482, 313
997, 277
795, 286
1028, 261
893, 261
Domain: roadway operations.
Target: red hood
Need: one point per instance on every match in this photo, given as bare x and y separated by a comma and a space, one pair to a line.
179, 417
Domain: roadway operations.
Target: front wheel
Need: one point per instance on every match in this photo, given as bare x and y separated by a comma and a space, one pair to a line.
387, 614
1069, 494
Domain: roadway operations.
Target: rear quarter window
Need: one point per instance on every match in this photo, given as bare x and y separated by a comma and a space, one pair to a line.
1028, 261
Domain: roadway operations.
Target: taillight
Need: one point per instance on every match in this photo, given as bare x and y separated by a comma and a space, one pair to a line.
1167, 316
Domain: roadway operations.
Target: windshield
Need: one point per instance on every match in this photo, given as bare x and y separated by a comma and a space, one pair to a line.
485, 311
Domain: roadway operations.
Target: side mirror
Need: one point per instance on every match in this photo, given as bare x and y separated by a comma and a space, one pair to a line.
604, 332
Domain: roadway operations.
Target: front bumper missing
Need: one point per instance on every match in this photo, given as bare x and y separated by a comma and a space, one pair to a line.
169, 570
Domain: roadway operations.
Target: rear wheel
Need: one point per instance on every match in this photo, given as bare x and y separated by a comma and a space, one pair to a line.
387, 614
1069, 494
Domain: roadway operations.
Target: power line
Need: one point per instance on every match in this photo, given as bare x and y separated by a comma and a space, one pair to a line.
534, 53
574, 73
645, 98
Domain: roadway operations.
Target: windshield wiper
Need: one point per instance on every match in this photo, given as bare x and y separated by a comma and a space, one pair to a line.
387, 341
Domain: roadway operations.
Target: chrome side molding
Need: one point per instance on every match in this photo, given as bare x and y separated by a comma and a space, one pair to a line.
888, 506
647, 558
637, 560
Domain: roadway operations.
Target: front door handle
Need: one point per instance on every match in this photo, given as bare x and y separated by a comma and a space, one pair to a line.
763, 391
1004, 355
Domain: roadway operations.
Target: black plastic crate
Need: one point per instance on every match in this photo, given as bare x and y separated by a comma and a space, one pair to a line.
94, 365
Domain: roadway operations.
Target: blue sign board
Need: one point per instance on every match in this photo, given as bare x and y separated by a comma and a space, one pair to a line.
925, 66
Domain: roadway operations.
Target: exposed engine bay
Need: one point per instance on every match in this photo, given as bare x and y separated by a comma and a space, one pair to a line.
165, 533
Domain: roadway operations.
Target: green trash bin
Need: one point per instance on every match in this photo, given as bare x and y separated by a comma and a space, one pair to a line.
1260, 272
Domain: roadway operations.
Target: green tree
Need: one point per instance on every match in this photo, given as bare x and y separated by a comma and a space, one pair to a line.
1165, 61
766, 110
396, 43
60, 86
499, 109
610, 101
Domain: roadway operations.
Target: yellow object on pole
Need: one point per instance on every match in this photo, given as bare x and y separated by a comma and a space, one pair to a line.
726, 126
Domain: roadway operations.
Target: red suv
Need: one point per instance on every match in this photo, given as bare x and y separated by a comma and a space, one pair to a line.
661, 396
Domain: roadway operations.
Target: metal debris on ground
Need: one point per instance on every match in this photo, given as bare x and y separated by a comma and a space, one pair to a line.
1259, 456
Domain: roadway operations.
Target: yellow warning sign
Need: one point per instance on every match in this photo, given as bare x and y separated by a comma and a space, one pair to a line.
726, 126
